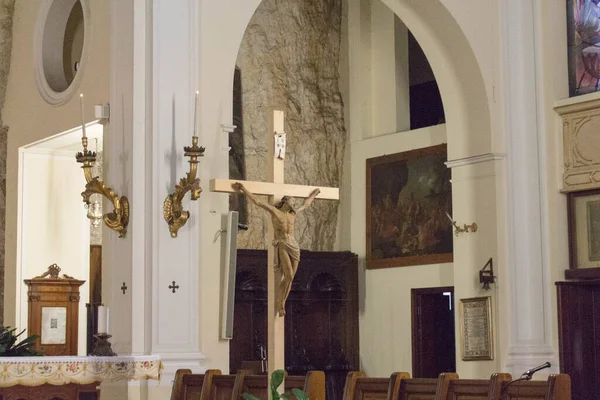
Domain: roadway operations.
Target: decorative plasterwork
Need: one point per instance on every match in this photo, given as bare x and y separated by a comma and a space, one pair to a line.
581, 145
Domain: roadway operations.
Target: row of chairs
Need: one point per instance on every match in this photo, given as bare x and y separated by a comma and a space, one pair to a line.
212, 385
448, 386
399, 386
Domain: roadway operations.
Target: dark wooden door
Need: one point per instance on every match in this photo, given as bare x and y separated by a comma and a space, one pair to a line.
321, 321
433, 345
579, 336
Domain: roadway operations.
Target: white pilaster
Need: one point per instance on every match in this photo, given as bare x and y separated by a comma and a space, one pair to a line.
475, 199
154, 75
175, 316
526, 295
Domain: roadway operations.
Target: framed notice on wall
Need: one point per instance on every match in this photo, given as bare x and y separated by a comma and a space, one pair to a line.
476, 331
54, 325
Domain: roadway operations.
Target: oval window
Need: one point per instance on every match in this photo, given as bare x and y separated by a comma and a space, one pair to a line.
60, 44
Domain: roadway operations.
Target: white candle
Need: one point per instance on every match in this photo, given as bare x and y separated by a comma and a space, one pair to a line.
196, 112
82, 114
102, 319
449, 217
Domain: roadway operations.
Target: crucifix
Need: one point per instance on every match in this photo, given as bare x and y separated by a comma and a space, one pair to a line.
284, 250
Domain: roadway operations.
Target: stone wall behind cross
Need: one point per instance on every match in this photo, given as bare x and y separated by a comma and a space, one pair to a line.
289, 60
6, 15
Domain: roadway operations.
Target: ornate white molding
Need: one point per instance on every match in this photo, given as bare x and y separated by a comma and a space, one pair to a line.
581, 144
480, 158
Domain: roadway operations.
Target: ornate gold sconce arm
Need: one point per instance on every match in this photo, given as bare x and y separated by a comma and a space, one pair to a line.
116, 220
465, 228
173, 210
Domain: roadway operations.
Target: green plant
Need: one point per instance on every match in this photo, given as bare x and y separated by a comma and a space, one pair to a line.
9, 346
276, 381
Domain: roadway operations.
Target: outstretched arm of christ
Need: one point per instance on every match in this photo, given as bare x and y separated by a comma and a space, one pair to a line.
238, 187
309, 200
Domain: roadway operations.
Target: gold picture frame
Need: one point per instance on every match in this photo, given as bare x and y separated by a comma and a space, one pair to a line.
584, 234
408, 198
476, 329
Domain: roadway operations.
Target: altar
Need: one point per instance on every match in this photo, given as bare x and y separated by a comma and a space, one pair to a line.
72, 378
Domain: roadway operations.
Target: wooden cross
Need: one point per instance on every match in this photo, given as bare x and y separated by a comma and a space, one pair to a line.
275, 190
124, 287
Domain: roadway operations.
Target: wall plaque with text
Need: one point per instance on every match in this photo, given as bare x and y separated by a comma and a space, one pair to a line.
476, 329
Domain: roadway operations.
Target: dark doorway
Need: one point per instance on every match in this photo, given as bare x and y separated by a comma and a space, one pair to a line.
433, 345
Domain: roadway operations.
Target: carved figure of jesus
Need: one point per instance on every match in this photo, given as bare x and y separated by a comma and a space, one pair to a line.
283, 216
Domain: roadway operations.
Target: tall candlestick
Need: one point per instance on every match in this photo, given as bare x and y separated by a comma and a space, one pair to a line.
82, 114
196, 112
102, 319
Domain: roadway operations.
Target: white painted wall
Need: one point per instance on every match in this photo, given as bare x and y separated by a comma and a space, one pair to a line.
385, 294
54, 227
31, 119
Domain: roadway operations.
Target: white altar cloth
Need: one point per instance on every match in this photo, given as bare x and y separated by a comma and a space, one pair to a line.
35, 371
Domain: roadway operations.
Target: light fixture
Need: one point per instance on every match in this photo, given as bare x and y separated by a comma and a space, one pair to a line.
173, 211
94, 213
94, 209
118, 219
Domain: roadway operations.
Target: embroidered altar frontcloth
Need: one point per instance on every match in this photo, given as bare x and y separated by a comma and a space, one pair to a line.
34, 371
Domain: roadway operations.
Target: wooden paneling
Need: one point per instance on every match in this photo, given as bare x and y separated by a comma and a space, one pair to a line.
321, 322
579, 335
51, 392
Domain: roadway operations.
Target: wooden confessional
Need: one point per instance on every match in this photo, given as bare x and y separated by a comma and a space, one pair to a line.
321, 322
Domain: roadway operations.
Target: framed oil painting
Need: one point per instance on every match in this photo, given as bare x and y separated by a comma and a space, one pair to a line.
584, 234
408, 196
583, 39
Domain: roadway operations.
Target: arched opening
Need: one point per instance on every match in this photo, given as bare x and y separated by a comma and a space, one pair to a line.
467, 132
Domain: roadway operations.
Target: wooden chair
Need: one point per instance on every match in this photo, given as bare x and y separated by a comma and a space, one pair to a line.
471, 389
557, 387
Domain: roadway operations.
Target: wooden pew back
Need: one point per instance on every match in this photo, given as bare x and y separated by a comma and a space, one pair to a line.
557, 387
313, 384
360, 387
417, 389
188, 386
226, 387
473, 389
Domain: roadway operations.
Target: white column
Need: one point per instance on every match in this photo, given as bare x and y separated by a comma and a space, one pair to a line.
526, 292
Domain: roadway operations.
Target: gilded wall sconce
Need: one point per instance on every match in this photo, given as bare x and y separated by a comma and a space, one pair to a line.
465, 228
116, 220
173, 211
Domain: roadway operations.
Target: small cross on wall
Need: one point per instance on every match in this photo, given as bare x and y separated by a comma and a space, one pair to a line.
173, 287
124, 288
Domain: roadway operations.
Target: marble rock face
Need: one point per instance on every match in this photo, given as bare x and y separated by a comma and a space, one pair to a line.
289, 60
6, 15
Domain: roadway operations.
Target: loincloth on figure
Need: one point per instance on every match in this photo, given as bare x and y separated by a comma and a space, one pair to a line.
292, 250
